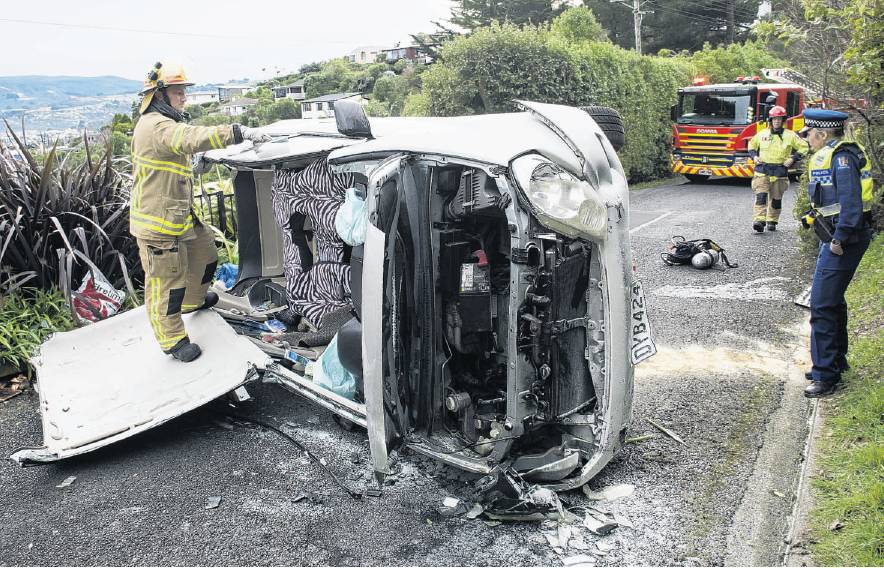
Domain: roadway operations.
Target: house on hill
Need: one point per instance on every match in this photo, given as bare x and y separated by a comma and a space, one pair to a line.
238, 107
294, 91
324, 106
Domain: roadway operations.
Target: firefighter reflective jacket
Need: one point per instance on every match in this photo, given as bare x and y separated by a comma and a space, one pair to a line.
160, 207
840, 183
774, 149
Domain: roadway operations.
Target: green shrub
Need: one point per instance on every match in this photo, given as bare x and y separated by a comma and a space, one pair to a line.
485, 71
27, 318
55, 214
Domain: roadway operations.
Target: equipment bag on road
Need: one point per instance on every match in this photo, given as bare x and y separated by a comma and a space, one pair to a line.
699, 253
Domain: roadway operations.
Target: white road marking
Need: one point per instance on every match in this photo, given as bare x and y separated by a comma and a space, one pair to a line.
651, 222
752, 290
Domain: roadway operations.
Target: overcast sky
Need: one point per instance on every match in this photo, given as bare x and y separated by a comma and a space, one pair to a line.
216, 40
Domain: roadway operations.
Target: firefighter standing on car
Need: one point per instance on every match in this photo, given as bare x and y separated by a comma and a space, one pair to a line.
177, 251
774, 151
840, 191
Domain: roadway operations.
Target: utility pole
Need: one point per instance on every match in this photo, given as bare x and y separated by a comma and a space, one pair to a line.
637, 14
731, 10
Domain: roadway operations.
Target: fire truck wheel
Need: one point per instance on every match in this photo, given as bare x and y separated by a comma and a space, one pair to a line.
696, 178
611, 123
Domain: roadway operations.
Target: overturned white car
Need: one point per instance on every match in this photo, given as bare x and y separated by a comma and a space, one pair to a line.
493, 315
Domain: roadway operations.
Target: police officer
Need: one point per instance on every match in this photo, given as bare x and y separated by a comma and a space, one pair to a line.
840, 189
177, 251
773, 150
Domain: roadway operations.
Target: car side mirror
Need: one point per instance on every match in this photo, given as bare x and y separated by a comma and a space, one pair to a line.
673, 112
352, 120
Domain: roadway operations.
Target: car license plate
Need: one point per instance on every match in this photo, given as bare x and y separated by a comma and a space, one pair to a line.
705, 172
642, 338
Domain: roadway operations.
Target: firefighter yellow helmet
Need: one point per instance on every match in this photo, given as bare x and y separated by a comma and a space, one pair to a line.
161, 76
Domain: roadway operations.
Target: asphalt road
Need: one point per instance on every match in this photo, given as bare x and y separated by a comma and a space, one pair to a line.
727, 380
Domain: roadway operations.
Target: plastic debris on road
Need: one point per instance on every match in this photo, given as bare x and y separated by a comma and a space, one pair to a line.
452, 507
600, 526
213, 502
67, 482
610, 493
579, 561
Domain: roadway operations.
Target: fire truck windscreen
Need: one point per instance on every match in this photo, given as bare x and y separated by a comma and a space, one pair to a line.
715, 108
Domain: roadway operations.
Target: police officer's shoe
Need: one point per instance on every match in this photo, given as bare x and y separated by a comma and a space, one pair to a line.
758, 226
771, 226
211, 300
819, 389
185, 351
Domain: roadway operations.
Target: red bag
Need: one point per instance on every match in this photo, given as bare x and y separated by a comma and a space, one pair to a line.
96, 298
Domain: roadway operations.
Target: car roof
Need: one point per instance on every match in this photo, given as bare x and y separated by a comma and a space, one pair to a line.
490, 138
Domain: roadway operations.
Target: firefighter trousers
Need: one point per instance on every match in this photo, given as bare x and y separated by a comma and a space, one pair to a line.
769, 192
177, 275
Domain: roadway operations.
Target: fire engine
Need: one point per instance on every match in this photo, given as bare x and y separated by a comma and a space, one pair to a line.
714, 123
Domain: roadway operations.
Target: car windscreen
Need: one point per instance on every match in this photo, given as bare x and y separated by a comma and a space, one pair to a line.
719, 107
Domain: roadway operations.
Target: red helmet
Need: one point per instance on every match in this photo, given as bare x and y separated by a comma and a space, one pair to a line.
777, 111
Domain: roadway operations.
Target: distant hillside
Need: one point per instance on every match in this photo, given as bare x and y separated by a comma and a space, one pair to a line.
58, 92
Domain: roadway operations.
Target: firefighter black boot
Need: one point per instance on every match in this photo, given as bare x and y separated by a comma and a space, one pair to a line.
758, 226
185, 351
211, 300
771, 225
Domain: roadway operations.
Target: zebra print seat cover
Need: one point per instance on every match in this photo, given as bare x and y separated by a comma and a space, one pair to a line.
317, 284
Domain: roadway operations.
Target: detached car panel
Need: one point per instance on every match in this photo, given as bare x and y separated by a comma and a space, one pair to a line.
108, 381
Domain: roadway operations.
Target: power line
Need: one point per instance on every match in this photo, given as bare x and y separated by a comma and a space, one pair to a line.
694, 15
689, 15
723, 6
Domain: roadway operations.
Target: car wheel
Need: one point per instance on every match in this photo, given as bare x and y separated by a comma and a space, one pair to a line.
611, 123
696, 178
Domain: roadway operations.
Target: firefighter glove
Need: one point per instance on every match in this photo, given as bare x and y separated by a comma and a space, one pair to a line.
253, 135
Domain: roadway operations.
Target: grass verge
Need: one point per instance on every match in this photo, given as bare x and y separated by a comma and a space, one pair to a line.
848, 515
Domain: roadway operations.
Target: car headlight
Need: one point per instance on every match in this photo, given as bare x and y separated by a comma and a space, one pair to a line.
561, 202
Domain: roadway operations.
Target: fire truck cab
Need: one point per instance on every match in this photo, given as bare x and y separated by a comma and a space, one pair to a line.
714, 123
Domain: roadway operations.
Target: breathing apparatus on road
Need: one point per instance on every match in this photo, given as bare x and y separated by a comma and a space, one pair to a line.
699, 253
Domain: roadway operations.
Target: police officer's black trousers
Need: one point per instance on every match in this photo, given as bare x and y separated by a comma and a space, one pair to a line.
828, 309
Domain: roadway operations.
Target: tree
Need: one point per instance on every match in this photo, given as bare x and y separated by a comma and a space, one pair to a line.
282, 109
485, 71
837, 45
473, 14
575, 25
678, 24
723, 64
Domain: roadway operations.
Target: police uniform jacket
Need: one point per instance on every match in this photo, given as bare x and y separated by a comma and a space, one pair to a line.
840, 187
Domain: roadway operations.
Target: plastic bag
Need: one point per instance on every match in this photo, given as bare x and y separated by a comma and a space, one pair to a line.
329, 373
351, 219
227, 274
96, 298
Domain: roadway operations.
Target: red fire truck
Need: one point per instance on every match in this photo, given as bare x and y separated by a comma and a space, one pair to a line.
714, 123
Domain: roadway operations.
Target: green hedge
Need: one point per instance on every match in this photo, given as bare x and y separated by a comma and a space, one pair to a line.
485, 71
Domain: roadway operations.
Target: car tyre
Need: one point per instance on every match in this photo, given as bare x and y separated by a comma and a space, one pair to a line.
611, 123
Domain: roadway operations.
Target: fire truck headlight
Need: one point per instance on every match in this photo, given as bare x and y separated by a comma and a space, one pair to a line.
741, 159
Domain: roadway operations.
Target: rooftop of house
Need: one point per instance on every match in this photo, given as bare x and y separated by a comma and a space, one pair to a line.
331, 98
